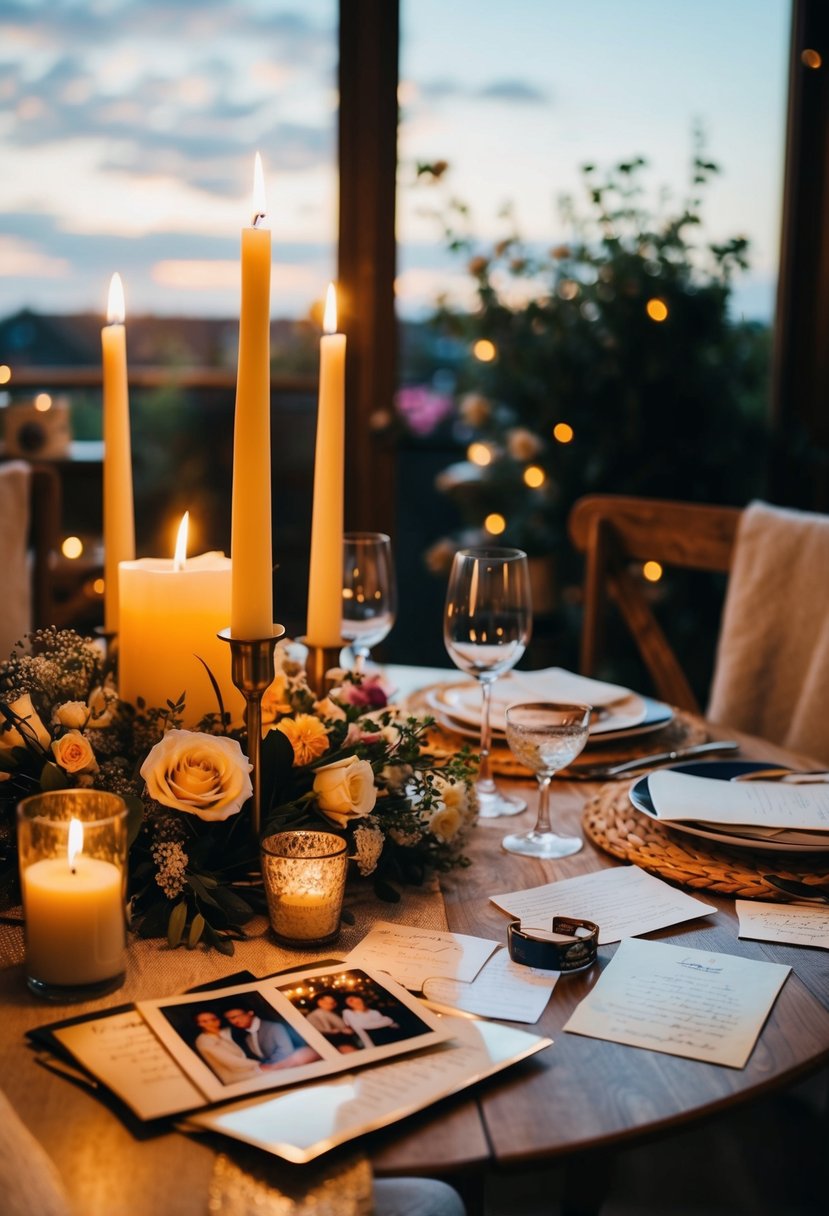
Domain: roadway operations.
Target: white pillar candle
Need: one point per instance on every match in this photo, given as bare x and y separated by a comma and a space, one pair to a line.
171, 612
75, 920
251, 546
325, 582
119, 519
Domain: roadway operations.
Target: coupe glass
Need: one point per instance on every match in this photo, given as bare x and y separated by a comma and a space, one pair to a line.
545, 737
369, 592
486, 627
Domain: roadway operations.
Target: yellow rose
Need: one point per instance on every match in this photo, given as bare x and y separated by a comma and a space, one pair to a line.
275, 701
33, 729
74, 753
203, 775
345, 790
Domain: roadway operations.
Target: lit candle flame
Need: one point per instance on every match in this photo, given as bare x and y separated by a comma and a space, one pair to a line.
75, 845
116, 312
181, 542
329, 321
259, 202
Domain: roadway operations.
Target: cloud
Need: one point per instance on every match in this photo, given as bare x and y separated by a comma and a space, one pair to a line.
20, 258
513, 90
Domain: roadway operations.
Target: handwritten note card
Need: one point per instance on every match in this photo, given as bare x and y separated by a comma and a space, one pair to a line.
623, 902
797, 924
411, 956
123, 1052
767, 804
501, 989
689, 1003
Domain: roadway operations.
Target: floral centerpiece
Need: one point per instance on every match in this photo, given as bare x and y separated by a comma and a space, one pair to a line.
350, 762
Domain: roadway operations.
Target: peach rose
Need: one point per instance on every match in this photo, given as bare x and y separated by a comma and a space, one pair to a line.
73, 752
345, 790
202, 775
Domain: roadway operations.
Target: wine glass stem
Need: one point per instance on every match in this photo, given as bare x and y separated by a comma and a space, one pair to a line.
485, 782
542, 823
360, 657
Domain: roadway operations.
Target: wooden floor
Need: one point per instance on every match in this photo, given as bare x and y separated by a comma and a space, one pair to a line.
769, 1159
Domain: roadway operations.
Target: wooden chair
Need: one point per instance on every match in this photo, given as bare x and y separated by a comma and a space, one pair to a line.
31, 509
614, 532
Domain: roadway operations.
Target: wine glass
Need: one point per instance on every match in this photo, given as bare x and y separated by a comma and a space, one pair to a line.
486, 626
545, 737
369, 592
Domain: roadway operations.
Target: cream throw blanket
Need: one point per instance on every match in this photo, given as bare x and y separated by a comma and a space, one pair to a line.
15, 575
772, 670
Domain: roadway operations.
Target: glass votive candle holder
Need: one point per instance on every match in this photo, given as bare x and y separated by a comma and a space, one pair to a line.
304, 875
73, 865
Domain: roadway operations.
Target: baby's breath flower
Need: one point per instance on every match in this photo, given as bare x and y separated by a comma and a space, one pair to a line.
171, 860
368, 845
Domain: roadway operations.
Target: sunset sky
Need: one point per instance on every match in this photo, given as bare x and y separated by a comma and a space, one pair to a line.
128, 128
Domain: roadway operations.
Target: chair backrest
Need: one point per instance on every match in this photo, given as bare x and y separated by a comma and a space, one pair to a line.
613, 532
30, 514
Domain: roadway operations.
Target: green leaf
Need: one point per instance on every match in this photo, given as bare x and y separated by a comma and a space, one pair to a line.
135, 817
223, 944
53, 777
236, 908
196, 930
385, 891
215, 684
202, 891
176, 923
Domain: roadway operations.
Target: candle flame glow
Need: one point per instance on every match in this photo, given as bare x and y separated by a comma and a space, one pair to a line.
329, 321
116, 312
181, 542
259, 201
75, 845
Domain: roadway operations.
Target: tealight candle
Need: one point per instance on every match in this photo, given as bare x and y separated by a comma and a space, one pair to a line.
304, 875
73, 856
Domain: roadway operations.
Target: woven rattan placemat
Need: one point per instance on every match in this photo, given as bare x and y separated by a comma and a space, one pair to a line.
614, 825
682, 731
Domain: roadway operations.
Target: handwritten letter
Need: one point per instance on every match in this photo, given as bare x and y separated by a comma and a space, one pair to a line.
797, 924
623, 902
683, 1002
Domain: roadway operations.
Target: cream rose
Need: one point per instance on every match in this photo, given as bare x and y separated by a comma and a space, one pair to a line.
34, 728
345, 790
202, 775
102, 702
71, 713
74, 753
446, 822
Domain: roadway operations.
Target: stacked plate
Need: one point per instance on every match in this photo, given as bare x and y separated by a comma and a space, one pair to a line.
741, 836
619, 713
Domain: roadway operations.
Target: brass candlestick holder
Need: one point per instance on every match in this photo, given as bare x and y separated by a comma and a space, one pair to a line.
109, 638
319, 662
251, 669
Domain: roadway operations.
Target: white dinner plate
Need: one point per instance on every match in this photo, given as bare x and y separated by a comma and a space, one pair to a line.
726, 770
616, 722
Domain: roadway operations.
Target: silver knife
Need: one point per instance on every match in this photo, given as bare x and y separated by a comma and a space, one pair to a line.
681, 753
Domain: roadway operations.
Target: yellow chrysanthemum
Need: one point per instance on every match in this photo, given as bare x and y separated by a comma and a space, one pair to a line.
306, 735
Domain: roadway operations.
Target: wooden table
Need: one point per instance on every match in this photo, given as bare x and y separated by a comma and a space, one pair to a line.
575, 1101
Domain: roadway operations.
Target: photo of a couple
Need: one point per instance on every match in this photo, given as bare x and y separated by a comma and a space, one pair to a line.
353, 1012
241, 1039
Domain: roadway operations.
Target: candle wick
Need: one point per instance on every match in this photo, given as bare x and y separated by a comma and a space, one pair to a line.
259, 218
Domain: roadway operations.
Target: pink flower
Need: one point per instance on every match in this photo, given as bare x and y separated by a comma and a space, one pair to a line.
373, 692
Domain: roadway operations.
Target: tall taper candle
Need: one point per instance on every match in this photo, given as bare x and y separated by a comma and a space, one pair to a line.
119, 519
250, 544
325, 583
